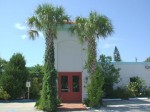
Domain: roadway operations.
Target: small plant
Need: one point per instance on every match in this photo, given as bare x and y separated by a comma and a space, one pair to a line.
3, 94
147, 92
122, 92
136, 86
59, 101
86, 102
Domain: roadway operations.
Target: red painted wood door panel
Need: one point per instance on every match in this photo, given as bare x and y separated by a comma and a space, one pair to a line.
70, 86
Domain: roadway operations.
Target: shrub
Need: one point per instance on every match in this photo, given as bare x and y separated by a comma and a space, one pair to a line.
122, 92
147, 92
35, 88
94, 89
110, 73
36, 74
86, 102
136, 86
3, 94
15, 76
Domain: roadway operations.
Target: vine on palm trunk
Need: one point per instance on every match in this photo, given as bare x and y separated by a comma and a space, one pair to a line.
88, 29
47, 19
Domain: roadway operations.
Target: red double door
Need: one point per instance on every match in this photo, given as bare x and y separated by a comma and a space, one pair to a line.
70, 86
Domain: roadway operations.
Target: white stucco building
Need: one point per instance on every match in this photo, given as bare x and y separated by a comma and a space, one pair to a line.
131, 69
70, 57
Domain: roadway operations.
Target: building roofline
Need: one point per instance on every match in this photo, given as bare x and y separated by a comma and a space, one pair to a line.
130, 63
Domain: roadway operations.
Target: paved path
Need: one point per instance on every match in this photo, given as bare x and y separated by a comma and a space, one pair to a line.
110, 106
126, 106
18, 107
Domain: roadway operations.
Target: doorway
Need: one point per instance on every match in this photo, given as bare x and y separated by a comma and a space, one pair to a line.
70, 86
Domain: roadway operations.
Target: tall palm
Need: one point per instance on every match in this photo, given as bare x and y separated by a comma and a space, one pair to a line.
47, 19
88, 29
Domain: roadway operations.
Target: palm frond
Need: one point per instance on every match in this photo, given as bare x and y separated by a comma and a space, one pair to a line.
33, 34
30, 21
47, 18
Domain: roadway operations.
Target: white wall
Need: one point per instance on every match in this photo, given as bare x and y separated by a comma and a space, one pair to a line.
70, 55
131, 69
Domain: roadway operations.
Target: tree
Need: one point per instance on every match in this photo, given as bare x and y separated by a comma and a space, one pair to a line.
2, 65
47, 19
94, 89
15, 76
117, 56
36, 74
147, 59
110, 73
88, 29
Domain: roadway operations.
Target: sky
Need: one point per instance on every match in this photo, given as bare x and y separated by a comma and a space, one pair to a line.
130, 19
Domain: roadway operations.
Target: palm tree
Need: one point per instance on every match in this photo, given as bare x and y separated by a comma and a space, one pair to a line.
88, 29
47, 19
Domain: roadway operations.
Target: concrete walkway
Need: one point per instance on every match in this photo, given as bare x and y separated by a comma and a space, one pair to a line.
139, 105
17, 107
136, 105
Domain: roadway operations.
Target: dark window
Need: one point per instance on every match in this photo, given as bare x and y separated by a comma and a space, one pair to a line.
76, 86
64, 83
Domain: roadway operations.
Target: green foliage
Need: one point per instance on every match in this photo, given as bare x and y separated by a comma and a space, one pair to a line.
87, 102
2, 65
3, 94
88, 29
136, 86
48, 19
15, 75
147, 59
35, 88
36, 74
146, 92
117, 56
48, 99
94, 89
110, 73
122, 92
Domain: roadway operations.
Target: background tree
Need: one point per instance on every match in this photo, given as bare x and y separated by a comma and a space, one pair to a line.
2, 65
15, 76
2, 68
147, 59
3, 93
36, 74
117, 56
88, 29
110, 73
47, 19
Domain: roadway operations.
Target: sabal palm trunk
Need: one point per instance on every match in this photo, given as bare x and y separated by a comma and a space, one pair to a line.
49, 90
91, 55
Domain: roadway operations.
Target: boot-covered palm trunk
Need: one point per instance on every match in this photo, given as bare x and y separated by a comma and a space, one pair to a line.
91, 58
49, 89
